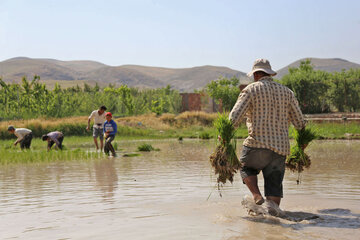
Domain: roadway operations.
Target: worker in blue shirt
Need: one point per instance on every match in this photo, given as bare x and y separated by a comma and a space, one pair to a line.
110, 129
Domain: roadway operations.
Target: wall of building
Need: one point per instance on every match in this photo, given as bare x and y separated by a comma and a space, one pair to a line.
199, 102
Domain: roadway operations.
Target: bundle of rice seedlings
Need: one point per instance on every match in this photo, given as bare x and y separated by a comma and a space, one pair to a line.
224, 159
145, 147
298, 159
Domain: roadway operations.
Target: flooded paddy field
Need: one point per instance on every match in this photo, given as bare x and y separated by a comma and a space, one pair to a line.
171, 194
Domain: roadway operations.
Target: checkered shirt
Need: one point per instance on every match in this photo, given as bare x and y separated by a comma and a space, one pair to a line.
269, 108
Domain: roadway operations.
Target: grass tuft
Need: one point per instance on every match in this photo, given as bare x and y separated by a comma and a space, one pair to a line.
145, 147
204, 135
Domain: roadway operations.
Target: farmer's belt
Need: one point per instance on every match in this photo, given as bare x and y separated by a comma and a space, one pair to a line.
99, 124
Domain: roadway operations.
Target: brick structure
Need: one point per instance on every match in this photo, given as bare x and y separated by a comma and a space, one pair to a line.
199, 102
242, 86
191, 102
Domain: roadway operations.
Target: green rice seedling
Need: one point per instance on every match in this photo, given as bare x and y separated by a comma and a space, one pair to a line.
298, 159
204, 135
115, 146
10, 156
147, 148
224, 159
131, 155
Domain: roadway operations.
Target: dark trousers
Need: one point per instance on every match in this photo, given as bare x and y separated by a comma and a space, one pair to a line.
26, 141
108, 146
60, 139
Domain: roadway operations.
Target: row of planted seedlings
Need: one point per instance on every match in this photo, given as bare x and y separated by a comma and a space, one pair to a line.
39, 153
25, 156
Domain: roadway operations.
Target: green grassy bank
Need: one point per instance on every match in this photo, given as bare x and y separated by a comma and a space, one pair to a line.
79, 144
186, 125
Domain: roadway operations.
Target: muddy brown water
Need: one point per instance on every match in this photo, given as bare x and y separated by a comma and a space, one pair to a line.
163, 195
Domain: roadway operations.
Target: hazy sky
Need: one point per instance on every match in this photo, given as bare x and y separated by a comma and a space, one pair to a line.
180, 33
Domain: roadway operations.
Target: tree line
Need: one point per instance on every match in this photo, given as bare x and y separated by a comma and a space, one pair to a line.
32, 99
317, 91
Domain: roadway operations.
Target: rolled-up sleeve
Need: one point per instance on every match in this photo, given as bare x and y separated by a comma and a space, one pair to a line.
19, 136
295, 115
241, 106
92, 115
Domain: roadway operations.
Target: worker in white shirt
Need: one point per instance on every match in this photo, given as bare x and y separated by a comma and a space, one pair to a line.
24, 136
54, 137
99, 119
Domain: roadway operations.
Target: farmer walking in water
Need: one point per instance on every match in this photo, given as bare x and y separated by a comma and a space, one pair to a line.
268, 107
99, 119
110, 129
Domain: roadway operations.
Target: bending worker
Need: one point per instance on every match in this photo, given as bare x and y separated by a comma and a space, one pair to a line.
54, 137
24, 136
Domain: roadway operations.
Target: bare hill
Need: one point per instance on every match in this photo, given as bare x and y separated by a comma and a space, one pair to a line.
184, 79
325, 64
79, 66
50, 70
121, 75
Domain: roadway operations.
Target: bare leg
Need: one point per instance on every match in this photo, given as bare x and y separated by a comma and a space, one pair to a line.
274, 199
96, 143
101, 144
252, 183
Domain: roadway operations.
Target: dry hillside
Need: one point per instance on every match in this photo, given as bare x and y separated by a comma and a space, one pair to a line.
325, 64
50, 70
69, 73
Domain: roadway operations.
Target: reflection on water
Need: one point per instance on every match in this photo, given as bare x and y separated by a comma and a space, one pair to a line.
106, 177
163, 195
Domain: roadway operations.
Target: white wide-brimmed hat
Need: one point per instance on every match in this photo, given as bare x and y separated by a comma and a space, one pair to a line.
261, 65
